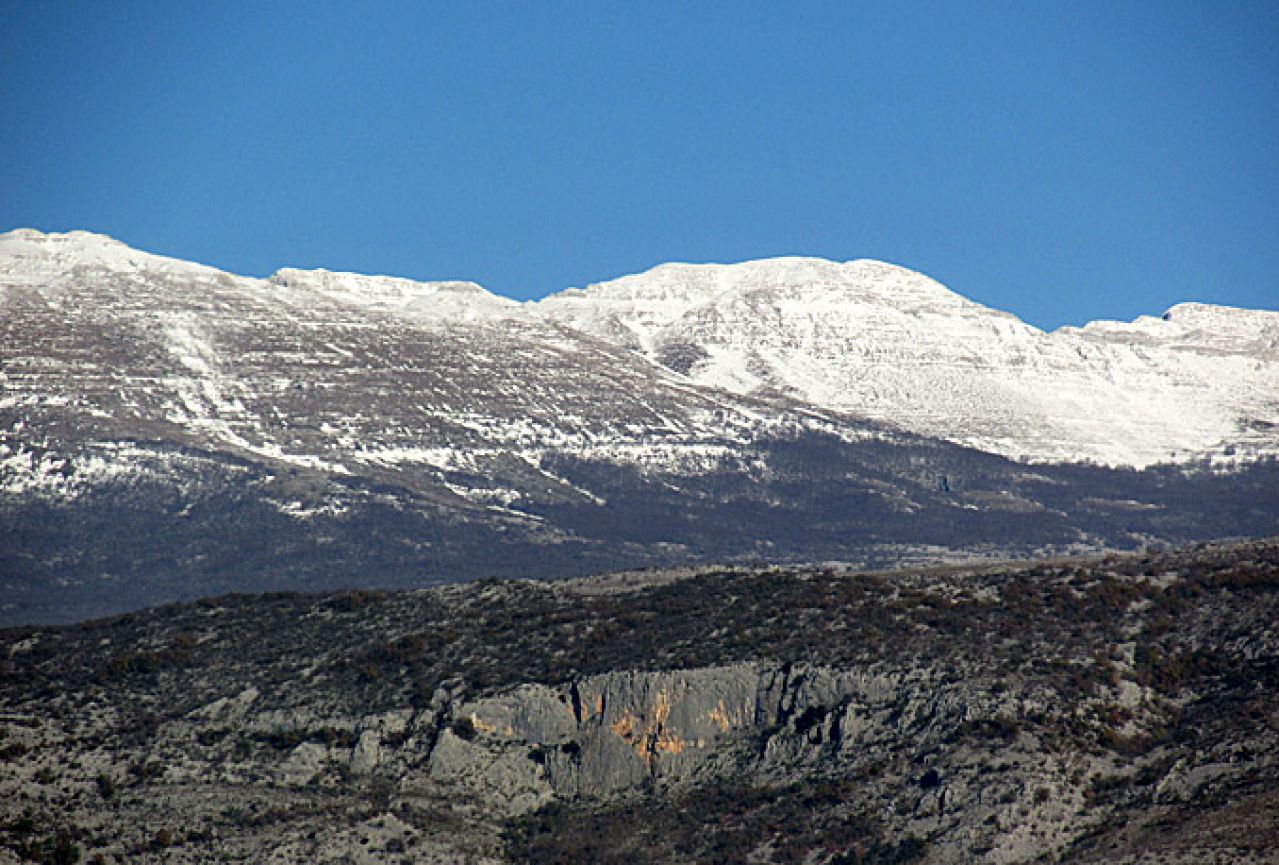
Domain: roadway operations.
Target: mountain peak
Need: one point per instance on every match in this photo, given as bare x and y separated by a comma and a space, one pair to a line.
1193, 312
75, 237
451, 298
668, 291
641, 310
30, 251
31, 242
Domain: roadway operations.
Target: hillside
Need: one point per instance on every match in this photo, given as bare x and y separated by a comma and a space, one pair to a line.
1117, 709
170, 431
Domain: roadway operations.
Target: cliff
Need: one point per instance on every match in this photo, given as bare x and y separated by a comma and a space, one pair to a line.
1117, 709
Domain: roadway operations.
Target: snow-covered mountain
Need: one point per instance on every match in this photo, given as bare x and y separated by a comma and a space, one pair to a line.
334, 372
881, 341
169, 430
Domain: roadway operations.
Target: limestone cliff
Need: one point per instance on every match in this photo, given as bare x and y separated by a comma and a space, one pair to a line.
1108, 710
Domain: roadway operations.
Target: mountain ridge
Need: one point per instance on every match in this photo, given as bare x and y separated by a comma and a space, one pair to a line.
169, 430
867, 337
862, 338
80, 239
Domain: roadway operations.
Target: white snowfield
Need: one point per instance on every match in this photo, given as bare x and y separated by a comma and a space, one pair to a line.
671, 367
880, 340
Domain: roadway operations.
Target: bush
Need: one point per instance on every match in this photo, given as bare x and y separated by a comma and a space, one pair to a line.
463, 728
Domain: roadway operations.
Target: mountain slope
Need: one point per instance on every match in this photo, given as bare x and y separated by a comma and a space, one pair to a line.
878, 340
168, 431
316, 370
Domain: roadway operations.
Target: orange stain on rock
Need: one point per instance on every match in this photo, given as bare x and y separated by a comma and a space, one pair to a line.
720, 717
669, 743
483, 726
626, 726
647, 734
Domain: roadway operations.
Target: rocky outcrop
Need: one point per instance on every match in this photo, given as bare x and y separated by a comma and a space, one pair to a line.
1078, 710
605, 735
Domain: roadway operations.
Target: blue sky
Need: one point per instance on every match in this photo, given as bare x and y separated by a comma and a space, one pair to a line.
1065, 161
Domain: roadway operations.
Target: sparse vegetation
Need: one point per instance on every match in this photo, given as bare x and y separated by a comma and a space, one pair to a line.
1077, 691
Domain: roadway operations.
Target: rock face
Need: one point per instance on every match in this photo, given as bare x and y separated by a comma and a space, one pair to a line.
1107, 710
169, 431
613, 733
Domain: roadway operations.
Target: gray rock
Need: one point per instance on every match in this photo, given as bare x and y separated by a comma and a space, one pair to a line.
367, 753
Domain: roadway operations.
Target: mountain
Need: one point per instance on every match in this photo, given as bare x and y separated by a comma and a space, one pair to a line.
1112, 710
326, 372
881, 341
168, 430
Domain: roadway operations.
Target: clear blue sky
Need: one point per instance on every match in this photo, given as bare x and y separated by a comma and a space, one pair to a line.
1065, 161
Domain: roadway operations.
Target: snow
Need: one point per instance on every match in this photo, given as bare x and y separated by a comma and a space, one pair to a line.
41, 472
405, 297
30, 257
667, 370
879, 340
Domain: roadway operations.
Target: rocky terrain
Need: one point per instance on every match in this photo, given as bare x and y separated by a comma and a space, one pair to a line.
1118, 709
170, 431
